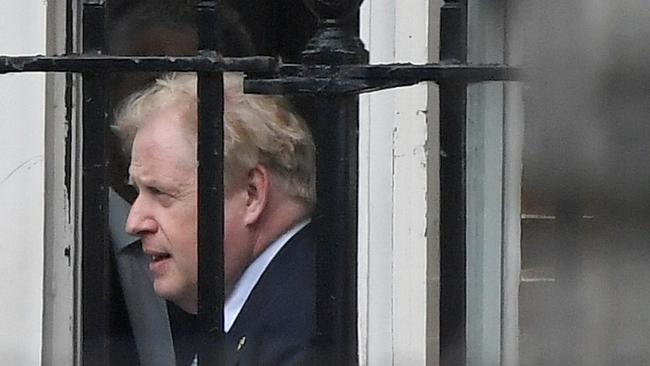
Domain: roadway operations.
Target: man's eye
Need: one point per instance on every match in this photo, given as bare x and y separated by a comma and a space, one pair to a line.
156, 191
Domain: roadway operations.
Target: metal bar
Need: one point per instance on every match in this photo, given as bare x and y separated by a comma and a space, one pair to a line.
95, 283
207, 18
335, 129
207, 62
453, 159
434, 72
318, 74
294, 79
210, 198
405, 71
211, 193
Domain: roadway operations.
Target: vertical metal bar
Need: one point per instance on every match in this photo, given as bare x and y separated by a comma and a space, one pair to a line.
95, 287
210, 198
207, 27
210, 201
453, 220
336, 132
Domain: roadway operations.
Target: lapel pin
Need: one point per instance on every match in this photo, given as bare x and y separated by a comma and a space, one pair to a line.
242, 342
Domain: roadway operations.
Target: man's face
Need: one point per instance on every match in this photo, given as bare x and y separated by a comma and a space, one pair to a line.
164, 215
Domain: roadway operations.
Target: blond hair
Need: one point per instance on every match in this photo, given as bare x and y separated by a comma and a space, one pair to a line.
258, 129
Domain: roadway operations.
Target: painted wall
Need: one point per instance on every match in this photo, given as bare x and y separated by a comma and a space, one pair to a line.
22, 31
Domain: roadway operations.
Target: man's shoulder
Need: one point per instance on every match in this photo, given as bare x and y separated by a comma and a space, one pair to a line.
278, 321
289, 282
298, 256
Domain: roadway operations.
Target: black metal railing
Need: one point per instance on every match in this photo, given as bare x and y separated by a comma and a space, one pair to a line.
334, 68
453, 162
210, 188
96, 299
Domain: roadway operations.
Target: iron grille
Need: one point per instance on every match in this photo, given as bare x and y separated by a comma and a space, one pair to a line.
335, 68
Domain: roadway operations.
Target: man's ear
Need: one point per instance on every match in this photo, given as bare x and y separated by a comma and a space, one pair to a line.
258, 188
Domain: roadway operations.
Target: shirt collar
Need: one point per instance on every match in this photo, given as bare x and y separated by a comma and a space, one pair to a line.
118, 212
244, 286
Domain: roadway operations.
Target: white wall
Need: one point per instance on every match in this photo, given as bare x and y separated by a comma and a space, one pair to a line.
22, 31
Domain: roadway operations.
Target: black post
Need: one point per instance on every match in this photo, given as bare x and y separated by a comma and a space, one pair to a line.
453, 220
335, 128
210, 197
336, 136
95, 281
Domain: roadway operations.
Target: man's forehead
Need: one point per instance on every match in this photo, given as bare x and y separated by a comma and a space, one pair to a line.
162, 150
166, 127
161, 172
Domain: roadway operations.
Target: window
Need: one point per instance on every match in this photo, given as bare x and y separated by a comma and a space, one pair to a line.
82, 151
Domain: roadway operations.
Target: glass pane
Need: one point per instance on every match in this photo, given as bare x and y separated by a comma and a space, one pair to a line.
485, 172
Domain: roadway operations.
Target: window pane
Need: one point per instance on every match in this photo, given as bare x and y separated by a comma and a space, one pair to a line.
485, 187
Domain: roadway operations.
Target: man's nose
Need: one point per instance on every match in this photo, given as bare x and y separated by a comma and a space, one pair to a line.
140, 221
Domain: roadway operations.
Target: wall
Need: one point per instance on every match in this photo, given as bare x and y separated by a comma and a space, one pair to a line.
22, 31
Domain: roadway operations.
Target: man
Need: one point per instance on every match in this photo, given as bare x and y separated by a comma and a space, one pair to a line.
148, 330
269, 182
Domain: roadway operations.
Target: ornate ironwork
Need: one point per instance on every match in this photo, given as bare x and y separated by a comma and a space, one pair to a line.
333, 44
333, 9
269, 75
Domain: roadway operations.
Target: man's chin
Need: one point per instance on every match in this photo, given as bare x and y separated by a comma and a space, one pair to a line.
165, 291
187, 303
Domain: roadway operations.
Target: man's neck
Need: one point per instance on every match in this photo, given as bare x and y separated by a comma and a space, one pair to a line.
244, 286
277, 221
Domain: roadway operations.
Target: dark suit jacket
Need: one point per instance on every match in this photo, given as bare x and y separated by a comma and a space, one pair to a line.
277, 325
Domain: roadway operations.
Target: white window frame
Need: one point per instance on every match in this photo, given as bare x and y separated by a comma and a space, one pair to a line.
61, 335
398, 192
399, 199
